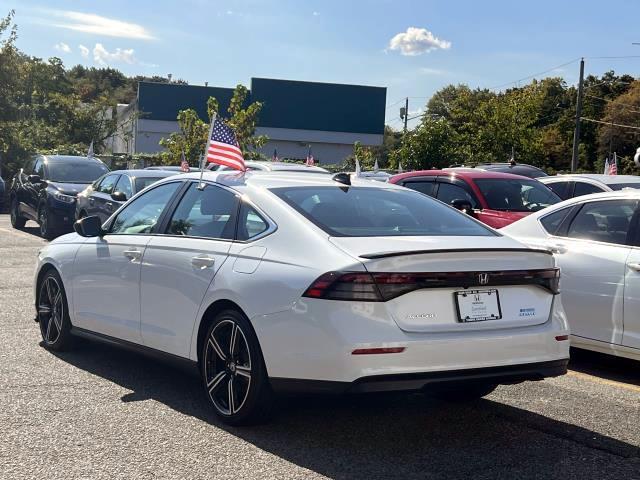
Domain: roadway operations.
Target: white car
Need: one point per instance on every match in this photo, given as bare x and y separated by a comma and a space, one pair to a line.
596, 240
270, 282
576, 185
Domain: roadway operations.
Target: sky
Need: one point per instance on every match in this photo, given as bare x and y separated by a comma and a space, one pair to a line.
413, 48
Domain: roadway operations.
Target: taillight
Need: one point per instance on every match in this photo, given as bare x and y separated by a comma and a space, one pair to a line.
382, 287
344, 286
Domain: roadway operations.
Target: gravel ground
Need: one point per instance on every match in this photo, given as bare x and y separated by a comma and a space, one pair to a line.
99, 412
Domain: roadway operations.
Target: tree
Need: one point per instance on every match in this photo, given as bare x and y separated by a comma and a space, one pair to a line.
192, 137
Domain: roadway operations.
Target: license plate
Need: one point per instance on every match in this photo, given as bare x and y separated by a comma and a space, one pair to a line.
478, 305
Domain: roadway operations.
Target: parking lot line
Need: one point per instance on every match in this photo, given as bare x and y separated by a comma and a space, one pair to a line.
603, 381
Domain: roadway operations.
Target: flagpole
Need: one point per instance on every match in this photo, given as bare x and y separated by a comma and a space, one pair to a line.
206, 149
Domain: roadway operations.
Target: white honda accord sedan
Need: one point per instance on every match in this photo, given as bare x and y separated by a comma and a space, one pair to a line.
288, 282
596, 240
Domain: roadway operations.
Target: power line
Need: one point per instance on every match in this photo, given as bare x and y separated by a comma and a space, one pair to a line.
534, 75
395, 103
609, 123
629, 107
612, 57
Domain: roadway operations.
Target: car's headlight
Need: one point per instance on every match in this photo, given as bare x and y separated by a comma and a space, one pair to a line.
64, 198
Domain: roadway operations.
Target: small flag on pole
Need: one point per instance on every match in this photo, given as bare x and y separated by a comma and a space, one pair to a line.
613, 165
310, 160
375, 166
400, 168
184, 165
223, 147
90, 152
275, 155
358, 170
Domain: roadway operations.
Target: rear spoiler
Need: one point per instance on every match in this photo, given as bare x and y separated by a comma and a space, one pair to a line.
372, 256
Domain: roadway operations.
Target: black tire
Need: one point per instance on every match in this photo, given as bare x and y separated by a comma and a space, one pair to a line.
46, 231
17, 221
53, 312
463, 392
237, 375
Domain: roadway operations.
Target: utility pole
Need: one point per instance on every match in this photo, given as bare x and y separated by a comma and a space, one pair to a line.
576, 132
406, 113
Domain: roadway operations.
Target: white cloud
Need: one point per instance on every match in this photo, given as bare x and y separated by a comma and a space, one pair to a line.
103, 57
84, 51
431, 71
62, 47
91, 23
416, 41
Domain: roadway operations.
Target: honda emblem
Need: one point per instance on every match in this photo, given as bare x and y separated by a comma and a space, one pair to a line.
483, 278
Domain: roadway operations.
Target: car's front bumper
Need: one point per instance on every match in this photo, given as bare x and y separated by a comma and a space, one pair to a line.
61, 215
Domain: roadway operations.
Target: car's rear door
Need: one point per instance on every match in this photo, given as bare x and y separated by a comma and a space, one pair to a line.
594, 248
100, 202
180, 264
631, 334
106, 274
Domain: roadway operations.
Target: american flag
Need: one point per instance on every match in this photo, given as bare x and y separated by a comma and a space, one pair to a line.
275, 155
613, 165
310, 160
184, 165
223, 147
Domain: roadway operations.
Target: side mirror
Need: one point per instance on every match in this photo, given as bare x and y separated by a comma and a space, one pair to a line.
119, 196
463, 205
34, 178
89, 227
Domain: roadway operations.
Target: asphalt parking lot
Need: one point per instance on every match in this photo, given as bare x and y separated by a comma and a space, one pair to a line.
98, 412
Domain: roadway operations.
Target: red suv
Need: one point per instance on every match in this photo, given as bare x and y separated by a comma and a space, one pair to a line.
494, 198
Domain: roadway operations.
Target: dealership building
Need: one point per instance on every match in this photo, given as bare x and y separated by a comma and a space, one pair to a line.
296, 115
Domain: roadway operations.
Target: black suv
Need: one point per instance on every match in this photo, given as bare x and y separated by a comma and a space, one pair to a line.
45, 191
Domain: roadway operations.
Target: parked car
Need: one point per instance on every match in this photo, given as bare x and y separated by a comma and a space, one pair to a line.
109, 192
2, 191
45, 191
272, 167
595, 239
509, 167
172, 168
494, 198
284, 282
570, 186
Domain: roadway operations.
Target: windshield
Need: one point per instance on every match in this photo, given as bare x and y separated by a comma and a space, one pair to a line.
516, 195
79, 171
144, 182
620, 186
378, 212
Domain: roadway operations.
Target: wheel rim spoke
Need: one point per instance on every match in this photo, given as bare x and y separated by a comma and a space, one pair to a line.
243, 371
216, 348
232, 343
215, 382
232, 407
48, 334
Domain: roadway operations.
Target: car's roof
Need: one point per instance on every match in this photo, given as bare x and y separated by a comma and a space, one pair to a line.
138, 172
284, 166
70, 158
464, 173
170, 168
275, 179
598, 177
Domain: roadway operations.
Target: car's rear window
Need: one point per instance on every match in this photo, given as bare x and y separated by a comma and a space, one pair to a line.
620, 186
378, 212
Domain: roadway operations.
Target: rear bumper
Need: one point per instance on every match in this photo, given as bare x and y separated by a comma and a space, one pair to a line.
419, 381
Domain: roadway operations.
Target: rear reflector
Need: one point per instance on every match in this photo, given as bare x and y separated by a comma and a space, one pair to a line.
377, 351
382, 286
561, 338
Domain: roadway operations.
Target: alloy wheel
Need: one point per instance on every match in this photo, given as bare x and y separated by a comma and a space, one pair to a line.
227, 366
50, 310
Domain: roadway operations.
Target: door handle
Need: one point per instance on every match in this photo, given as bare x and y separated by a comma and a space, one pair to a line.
203, 262
132, 255
557, 248
634, 266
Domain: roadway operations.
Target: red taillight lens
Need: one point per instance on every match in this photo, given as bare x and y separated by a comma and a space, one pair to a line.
344, 286
377, 351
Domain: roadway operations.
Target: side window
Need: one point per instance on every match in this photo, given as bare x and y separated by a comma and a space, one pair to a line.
250, 223
583, 188
559, 188
448, 192
603, 221
422, 186
38, 168
96, 184
552, 222
207, 213
124, 186
141, 215
106, 185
